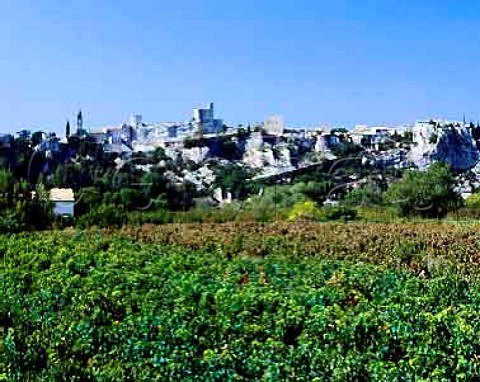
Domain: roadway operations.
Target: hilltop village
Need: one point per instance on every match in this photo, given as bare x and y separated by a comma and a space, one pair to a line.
203, 159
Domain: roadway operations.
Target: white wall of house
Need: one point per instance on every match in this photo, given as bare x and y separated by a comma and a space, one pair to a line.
63, 208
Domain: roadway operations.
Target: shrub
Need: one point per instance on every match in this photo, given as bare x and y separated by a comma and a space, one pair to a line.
473, 201
340, 213
465, 213
105, 215
64, 221
368, 196
10, 224
307, 210
156, 216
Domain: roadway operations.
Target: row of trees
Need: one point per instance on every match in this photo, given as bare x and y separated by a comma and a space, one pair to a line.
425, 194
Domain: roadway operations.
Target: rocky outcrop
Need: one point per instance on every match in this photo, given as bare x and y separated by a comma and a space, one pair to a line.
196, 154
457, 148
447, 143
202, 178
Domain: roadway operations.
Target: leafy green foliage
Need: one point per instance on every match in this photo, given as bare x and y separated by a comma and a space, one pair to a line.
307, 210
340, 213
368, 196
105, 215
346, 149
87, 307
233, 178
427, 194
473, 201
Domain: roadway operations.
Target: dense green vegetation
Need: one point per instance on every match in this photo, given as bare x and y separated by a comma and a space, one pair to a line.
91, 306
427, 194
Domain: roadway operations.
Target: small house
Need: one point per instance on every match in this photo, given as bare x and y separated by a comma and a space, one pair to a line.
63, 200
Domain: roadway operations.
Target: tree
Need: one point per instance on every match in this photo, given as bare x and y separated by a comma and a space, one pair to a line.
347, 149
233, 178
87, 198
368, 196
158, 155
338, 130
316, 191
429, 194
6, 189
37, 137
366, 142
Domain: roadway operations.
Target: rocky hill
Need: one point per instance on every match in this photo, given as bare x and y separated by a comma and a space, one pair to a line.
449, 143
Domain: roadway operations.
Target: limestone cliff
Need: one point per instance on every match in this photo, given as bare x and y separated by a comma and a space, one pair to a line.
448, 143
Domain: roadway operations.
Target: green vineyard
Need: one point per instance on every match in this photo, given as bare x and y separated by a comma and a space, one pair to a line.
145, 305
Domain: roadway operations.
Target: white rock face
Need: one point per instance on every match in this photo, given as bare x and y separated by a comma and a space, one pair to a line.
452, 144
202, 178
196, 154
325, 142
270, 160
172, 153
255, 142
284, 158
320, 144
258, 154
396, 158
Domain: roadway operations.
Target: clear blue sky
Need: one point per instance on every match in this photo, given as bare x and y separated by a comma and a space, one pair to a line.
338, 62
